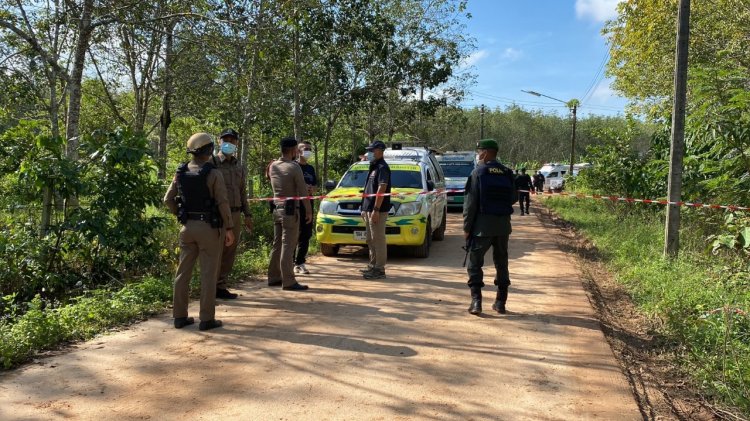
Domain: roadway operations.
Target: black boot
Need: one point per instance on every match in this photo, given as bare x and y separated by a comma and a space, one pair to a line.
476, 301
502, 297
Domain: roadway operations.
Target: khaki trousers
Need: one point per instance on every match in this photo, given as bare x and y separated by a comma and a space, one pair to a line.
230, 253
198, 241
375, 233
285, 236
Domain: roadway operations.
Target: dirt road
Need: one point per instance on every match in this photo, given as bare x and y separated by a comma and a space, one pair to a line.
399, 348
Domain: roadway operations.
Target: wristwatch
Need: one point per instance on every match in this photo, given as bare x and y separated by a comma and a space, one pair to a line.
376, 209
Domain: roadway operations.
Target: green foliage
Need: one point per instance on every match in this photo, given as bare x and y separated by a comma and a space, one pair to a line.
702, 302
618, 169
121, 188
93, 244
43, 326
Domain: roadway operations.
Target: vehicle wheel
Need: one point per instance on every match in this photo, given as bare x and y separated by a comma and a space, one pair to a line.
423, 250
329, 250
439, 234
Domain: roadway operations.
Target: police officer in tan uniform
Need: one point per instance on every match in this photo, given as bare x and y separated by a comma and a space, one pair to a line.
198, 197
235, 178
287, 180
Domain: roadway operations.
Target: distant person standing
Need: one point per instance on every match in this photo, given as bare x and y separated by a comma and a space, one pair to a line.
305, 226
287, 181
539, 182
488, 203
524, 187
235, 179
375, 210
198, 197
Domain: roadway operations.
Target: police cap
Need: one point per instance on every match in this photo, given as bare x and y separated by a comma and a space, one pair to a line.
288, 142
378, 144
487, 144
198, 141
229, 133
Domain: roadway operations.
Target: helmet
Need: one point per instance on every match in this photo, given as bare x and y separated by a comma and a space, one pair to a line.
198, 141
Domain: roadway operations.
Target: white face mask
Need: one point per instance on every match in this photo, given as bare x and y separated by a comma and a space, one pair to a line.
307, 154
370, 156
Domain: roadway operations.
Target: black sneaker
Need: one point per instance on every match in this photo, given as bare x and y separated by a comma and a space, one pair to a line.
210, 324
225, 294
374, 274
181, 322
296, 287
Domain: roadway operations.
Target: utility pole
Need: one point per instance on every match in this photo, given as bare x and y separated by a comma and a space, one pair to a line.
677, 149
481, 125
574, 104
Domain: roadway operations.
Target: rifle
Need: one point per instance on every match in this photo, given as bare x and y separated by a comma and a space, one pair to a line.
467, 249
470, 240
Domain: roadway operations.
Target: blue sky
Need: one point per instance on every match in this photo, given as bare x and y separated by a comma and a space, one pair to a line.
554, 47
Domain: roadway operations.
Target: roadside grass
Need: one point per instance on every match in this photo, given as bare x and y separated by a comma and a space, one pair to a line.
43, 326
700, 300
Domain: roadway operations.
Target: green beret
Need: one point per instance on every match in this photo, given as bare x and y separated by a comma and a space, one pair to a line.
487, 144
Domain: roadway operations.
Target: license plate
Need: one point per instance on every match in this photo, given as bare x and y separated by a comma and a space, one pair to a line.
360, 236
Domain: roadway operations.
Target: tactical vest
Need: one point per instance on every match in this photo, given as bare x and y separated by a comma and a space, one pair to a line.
496, 189
195, 201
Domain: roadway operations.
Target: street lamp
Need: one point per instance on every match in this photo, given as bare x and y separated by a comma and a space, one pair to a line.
573, 105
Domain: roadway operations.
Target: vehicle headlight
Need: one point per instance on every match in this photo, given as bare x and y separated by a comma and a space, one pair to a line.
409, 208
328, 207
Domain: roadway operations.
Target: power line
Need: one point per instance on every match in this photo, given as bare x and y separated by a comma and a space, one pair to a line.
597, 78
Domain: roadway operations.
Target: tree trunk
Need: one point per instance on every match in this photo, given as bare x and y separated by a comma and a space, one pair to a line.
296, 57
166, 111
76, 76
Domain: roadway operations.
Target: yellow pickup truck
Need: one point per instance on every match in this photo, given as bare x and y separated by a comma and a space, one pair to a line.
418, 205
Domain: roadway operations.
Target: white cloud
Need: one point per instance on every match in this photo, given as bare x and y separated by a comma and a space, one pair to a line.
512, 54
598, 10
603, 93
474, 58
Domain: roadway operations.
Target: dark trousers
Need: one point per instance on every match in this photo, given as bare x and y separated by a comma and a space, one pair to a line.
479, 247
305, 233
524, 197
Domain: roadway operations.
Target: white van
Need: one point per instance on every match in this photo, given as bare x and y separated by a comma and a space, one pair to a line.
553, 176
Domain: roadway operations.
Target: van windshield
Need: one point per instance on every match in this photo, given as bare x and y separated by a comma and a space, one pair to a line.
457, 169
399, 179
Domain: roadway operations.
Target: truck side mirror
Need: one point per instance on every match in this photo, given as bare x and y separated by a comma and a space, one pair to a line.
430, 185
330, 185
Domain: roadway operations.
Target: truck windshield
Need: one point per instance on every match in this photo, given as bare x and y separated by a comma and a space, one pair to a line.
457, 169
399, 179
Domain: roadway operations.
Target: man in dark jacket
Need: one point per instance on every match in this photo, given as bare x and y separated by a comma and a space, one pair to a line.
524, 187
488, 203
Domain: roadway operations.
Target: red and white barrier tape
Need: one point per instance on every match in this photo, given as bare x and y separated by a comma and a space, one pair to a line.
652, 201
353, 195
576, 195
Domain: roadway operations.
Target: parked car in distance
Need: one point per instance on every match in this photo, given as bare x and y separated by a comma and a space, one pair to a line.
418, 211
553, 176
457, 167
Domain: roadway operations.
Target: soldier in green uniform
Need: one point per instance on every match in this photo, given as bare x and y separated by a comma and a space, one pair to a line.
235, 178
488, 203
198, 197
